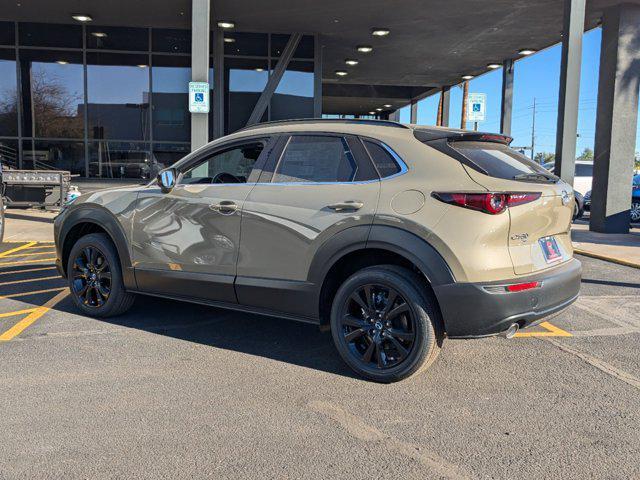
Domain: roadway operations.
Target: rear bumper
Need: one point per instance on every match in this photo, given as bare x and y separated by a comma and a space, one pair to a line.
470, 310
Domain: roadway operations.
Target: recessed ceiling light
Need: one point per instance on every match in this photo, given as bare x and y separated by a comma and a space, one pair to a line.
142, 65
224, 24
493, 66
378, 109
372, 113
229, 40
62, 62
351, 61
380, 32
341, 73
526, 51
82, 18
387, 105
99, 34
365, 48
467, 77
259, 69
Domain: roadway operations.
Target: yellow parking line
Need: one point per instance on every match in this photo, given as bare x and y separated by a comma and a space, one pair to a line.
27, 270
17, 312
551, 331
30, 280
17, 255
33, 292
41, 245
33, 316
28, 261
17, 249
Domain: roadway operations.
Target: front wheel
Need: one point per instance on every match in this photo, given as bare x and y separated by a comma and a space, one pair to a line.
95, 277
385, 326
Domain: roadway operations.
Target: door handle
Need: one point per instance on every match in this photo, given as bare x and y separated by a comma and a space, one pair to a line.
349, 205
226, 207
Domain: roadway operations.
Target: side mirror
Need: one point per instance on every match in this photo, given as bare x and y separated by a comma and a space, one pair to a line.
167, 179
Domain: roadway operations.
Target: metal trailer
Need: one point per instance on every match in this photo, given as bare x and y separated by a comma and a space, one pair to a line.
35, 188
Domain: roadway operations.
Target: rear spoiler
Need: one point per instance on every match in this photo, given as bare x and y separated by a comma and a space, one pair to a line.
460, 136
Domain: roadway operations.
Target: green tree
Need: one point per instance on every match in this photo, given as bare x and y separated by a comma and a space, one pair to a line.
544, 157
586, 155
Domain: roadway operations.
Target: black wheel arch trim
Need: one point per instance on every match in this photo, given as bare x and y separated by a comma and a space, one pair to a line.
103, 218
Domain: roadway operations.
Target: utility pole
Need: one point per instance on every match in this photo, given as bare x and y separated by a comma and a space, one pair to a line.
465, 95
533, 130
439, 116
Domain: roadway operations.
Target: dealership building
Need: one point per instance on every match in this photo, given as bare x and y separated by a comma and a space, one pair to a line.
102, 88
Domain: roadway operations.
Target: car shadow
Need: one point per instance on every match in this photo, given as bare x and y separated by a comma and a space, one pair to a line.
31, 218
270, 337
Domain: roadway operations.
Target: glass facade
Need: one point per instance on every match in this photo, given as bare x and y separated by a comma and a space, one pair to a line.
112, 102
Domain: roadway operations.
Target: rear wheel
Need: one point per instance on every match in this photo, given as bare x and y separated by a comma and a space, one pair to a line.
384, 325
95, 277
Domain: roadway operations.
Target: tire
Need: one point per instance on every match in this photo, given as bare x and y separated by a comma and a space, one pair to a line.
635, 212
392, 347
577, 212
1, 220
100, 274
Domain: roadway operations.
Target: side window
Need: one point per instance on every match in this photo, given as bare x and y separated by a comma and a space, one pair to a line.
584, 170
229, 166
382, 159
315, 158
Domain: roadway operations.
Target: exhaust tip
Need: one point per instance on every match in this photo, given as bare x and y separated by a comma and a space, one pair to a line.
512, 330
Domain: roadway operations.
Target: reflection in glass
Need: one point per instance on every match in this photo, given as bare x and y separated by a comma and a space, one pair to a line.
245, 80
49, 35
52, 93
166, 154
9, 153
294, 96
53, 155
171, 117
122, 160
8, 94
168, 40
253, 44
7, 33
117, 38
118, 96
305, 47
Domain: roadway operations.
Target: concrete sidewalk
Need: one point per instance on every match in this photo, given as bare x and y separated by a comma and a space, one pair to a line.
618, 248
28, 225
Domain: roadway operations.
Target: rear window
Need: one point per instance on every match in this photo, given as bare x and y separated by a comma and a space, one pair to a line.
584, 170
500, 161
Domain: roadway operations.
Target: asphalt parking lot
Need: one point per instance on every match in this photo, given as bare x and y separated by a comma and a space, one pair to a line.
172, 390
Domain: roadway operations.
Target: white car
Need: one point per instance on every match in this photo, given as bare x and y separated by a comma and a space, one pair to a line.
583, 177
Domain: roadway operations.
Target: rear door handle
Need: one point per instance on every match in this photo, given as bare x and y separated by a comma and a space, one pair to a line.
349, 205
226, 207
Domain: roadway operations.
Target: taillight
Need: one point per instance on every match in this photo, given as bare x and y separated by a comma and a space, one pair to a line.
491, 202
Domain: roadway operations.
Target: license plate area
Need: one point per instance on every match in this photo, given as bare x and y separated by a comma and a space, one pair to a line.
550, 249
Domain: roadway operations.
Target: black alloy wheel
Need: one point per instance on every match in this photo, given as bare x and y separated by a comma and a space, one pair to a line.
91, 277
378, 326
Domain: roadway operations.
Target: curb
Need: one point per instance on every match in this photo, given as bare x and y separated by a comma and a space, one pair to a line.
606, 258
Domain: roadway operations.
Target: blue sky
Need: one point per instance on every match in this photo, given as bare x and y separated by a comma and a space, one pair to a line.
536, 77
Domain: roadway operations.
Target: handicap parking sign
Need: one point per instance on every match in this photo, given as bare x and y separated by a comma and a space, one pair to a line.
198, 97
477, 107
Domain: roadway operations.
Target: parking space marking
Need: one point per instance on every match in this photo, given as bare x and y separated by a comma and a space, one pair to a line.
55, 277
34, 315
17, 249
33, 292
551, 331
23, 262
30, 254
27, 270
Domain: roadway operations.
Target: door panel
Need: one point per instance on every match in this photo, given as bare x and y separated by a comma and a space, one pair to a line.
191, 230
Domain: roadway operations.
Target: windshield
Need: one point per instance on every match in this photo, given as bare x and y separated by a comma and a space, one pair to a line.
500, 161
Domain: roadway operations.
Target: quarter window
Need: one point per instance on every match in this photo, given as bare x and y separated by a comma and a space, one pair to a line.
316, 159
382, 159
230, 166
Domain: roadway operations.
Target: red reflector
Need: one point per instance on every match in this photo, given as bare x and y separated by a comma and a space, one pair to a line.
519, 287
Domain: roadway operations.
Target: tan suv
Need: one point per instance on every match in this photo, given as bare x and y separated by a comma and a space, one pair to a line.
394, 236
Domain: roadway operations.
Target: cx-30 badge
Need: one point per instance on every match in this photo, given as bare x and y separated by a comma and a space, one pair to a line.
520, 236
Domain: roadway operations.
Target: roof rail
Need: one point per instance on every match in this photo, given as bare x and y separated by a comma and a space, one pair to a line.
379, 123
